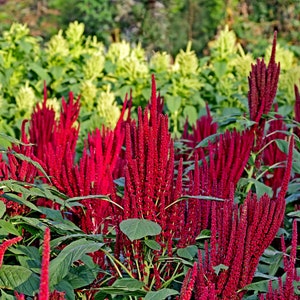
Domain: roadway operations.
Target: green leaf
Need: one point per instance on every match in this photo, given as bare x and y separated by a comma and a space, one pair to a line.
284, 147
2, 209
15, 198
190, 113
188, 252
50, 213
212, 138
136, 229
59, 267
294, 214
31, 161
95, 237
122, 287
260, 286
13, 276
13, 140
153, 245
96, 197
81, 276
161, 294
30, 286
34, 222
220, 268
128, 283
6, 296
220, 68
260, 188
296, 285
173, 103
9, 227
65, 286
204, 234
42, 73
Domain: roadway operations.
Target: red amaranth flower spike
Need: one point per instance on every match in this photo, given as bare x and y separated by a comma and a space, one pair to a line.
285, 290
218, 174
263, 81
297, 109
188, 283
5, 245
44, 283
150, 186
204, 127
239, 236
272, 155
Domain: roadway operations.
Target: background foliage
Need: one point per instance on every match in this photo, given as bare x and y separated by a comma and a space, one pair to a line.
162, 25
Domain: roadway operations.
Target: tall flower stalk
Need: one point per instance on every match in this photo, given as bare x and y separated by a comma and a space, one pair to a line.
151, 189
286, 290
239, 236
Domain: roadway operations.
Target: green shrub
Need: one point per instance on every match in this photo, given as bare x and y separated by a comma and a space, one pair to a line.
73, 61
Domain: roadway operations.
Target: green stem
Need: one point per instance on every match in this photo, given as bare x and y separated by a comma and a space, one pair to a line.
116, 262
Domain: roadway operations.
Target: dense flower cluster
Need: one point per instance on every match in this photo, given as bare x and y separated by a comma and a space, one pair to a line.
183, 199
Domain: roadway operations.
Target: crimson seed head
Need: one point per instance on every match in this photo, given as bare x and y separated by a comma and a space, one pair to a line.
263, 81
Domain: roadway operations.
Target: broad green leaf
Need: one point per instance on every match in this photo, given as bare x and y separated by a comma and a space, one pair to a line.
204, 234
2, 209
9, 227
161, 294
200, 197
296, 285
6, 296
13, 276
190, 113
292, 198
220, 68
64, 225
263, 275
13, 140
42, 73
30, 286
260, 188
212, 138
294, 214
284, 147
15, 198
173, 103
65, 286
120, 181
59, 267
50, 213
30, 257
96, 197
136, 229
102, 295
81, 276
188, 252
31, 161
58, 241
122, 287
128, 284
36, 223
220, 268
153, 245
261, 286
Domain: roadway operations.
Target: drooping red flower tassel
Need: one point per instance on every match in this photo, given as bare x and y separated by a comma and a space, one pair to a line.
5, 245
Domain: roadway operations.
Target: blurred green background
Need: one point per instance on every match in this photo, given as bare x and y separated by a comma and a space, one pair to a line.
162, 25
